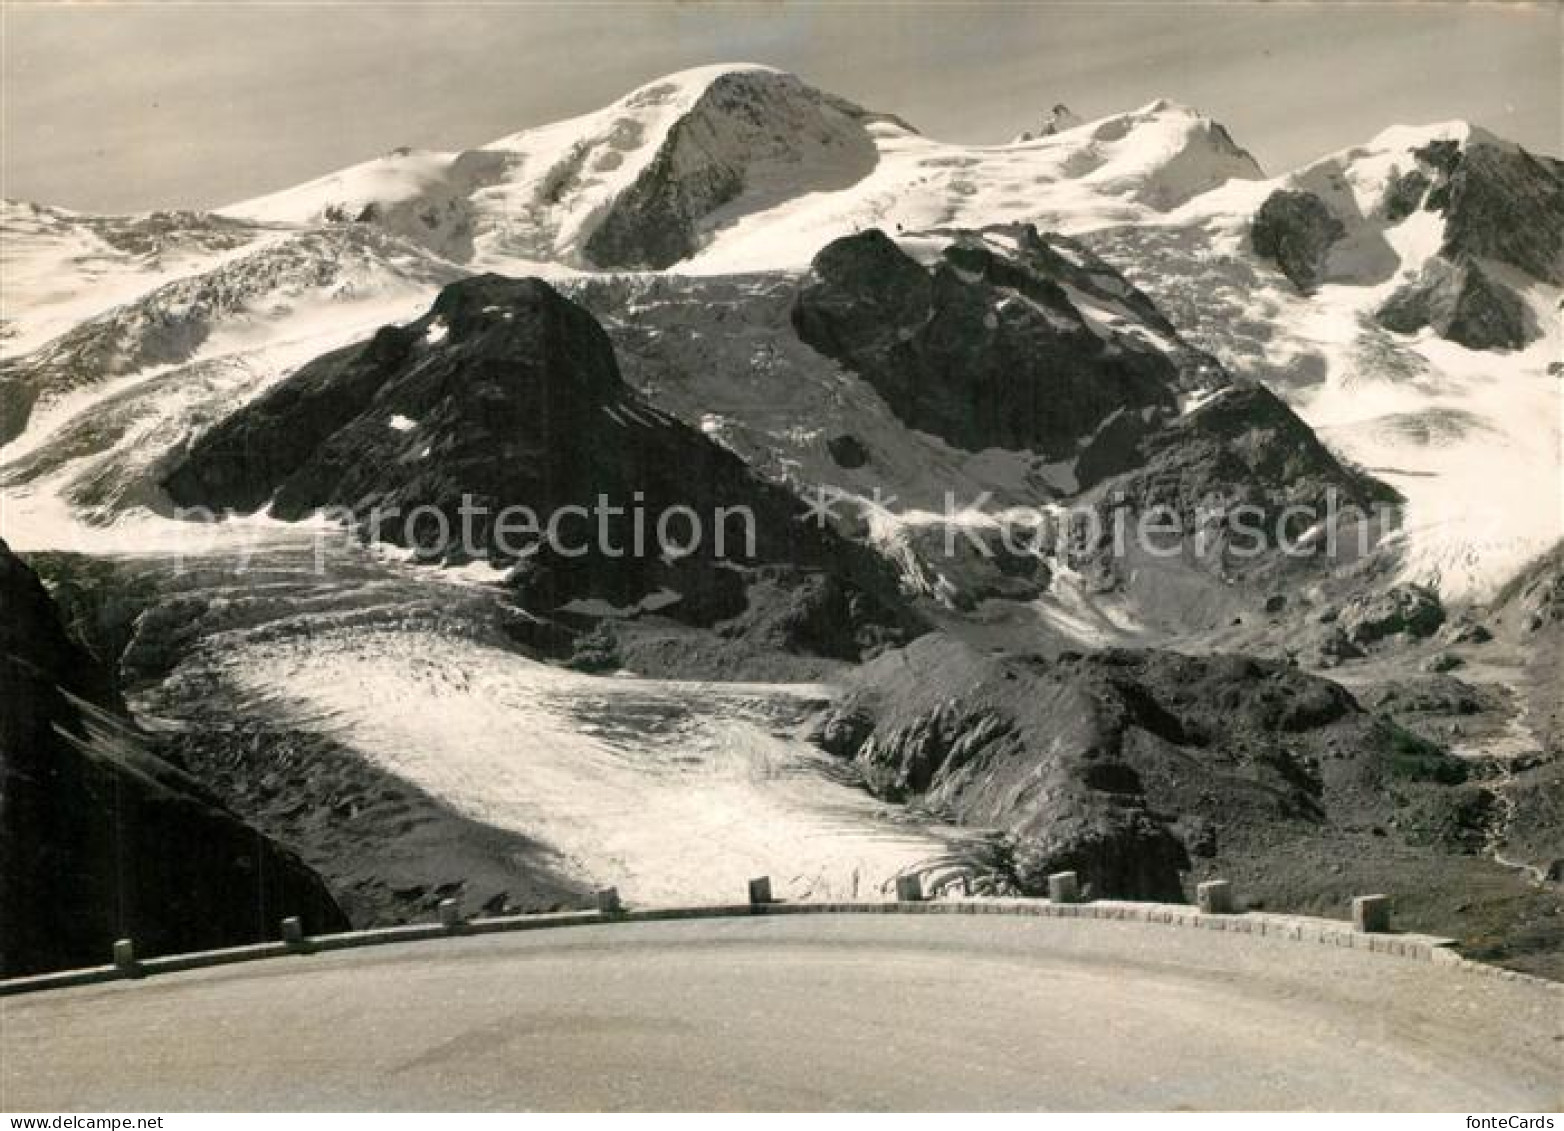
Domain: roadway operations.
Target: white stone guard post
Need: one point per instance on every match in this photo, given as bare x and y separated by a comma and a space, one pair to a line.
1215, 897
125, 955
1371, 914
1064, 887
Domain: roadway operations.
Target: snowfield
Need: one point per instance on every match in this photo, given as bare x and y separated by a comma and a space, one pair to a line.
831, 168
1121, 169
1471, 438
675, 793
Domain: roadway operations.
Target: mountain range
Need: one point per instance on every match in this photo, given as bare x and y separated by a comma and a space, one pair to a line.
728, 289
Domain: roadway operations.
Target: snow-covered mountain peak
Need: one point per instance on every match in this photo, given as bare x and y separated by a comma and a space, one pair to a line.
652, 101
1056, 121
652, 108
633, 184
1172, 153
1163, 108
1412, 137
690, 163
697, 79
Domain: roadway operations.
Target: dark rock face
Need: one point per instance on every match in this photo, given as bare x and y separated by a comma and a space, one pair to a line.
1499, 202
1296, 231
517, 372
1334, 647
1535, 597
1413, 610
1529, 611
743, 120
991, 346
507, 395
17, 398
863, 297
103, 840
1465, 631
654, 224
1459, 302
813, 613
1404, 195
1243, 445
1059, 753
1229, 470
1116, 446
971, 350
1441, 156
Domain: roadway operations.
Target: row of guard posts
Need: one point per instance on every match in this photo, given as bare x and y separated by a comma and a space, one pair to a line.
1370, 913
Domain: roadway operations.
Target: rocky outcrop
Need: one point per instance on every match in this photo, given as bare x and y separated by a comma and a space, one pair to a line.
1499, 203
847, 451
1460, 302
103, 840
1529, 613
1015, 340
1404, 195
1243, 445
1128, 766
1534, 598
1296, 230
1008, 339
963, 734
496, 376
1057, 120
1480, 186
1241, 476
507, 395
1413, 611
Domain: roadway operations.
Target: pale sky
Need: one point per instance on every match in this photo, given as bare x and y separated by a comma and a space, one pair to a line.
132, 106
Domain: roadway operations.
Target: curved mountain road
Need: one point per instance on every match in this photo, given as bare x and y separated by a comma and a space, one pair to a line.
790, 1012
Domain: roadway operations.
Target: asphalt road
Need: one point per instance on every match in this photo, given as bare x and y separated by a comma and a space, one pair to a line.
801, 1012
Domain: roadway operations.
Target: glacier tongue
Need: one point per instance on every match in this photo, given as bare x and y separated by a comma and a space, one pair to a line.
676, 793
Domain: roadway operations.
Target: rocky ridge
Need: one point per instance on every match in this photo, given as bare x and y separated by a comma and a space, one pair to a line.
105, 840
